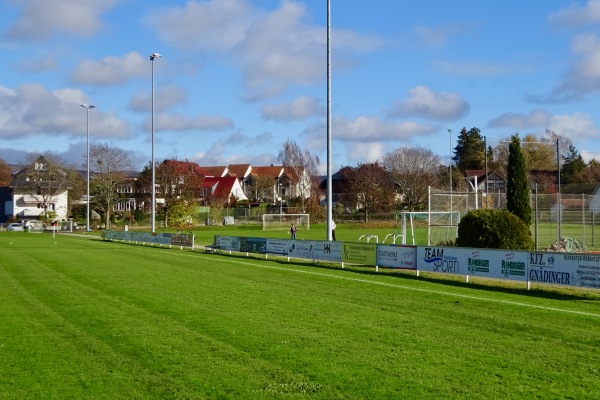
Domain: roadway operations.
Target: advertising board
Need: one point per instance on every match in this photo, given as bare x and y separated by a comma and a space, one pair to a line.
393, 256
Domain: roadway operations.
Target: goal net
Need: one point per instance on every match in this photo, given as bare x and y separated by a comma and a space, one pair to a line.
422, 227
285, 221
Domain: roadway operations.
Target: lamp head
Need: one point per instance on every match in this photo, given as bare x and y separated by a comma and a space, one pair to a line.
88, 106
154, 55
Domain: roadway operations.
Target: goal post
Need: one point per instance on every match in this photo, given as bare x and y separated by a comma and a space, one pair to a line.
426, 227
284, 221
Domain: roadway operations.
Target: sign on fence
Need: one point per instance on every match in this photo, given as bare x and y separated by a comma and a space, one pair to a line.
582, 270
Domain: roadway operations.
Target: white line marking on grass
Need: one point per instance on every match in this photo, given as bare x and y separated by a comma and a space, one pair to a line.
464, 296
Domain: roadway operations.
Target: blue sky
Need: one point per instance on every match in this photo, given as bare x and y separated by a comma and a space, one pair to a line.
237, 78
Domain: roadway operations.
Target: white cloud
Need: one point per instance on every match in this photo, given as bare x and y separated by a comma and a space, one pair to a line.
366, 152
165, 97
32, 110
367, 129
575, 126
225, 150
46, 63
425, 103
218, 25
274, 49
301, 108
111, 70
42, 18
471, 68
576, 15
182, 123
535, 119
584, 74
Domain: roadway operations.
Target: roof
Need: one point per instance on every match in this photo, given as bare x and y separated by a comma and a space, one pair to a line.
271, 171
221, 186
239, 170
218, 171
21, 178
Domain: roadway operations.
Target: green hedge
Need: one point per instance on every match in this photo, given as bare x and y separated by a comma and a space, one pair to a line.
493, 229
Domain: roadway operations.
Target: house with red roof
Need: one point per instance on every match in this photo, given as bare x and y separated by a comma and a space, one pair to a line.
222, 189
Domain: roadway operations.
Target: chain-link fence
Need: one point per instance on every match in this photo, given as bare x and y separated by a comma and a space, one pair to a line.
577, 219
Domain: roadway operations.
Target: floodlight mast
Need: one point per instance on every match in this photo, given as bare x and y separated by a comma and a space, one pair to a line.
153, 56
87, 107
329, 176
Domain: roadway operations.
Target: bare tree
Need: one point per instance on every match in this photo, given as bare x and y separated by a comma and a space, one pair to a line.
539, 153
261, 187
413, 170
300, 166
110, 165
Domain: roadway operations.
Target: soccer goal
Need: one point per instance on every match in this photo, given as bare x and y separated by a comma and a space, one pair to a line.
422, 227
284, 221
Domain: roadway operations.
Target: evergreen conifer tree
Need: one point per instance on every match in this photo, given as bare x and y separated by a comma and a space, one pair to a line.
517, 187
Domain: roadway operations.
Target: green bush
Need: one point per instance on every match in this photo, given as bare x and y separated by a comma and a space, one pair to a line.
493, 229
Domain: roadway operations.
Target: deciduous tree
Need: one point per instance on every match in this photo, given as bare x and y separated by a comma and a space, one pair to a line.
178, 185
303, 165
110, 165
5, 173
413, 170
369, 187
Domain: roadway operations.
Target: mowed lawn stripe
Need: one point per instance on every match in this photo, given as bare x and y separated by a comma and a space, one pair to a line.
144, 358
155, 323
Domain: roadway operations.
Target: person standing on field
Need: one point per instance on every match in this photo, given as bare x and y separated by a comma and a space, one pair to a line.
332, 229
293, 231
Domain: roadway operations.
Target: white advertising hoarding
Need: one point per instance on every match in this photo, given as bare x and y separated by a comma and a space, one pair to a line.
498, 264
327, 251
229, 243
393, 256
441, 259
571, 269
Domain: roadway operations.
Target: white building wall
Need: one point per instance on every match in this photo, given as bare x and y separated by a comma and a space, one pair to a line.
27, 205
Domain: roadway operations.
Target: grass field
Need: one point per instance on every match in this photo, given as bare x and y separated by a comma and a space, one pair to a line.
82, 318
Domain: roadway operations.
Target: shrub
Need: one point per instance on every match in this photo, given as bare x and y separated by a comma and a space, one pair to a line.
493, 229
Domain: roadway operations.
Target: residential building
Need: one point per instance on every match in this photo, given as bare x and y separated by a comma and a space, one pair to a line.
38, 188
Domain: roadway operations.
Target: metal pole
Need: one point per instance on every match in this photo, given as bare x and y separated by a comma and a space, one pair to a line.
536, 217
558, 197
450, 171
87, 200
487, 175
329, 176
153, 56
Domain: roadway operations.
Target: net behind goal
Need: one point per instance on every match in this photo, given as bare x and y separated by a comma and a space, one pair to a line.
284, 221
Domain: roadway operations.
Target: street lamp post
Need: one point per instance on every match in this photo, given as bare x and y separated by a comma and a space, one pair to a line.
88, 107
153, 56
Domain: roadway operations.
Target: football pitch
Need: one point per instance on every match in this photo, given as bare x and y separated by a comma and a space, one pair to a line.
83, 318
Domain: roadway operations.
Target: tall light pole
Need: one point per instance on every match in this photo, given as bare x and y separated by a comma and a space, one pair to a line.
329, 176
88, 107
153, 56
450, 163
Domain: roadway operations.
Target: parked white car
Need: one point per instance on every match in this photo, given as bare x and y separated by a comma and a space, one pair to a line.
35, 225
14, 227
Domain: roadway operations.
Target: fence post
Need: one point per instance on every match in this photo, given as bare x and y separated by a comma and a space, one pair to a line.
536, 216
583, 216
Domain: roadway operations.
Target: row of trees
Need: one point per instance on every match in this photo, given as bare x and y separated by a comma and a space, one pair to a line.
402, 177
539, 153
178, 183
